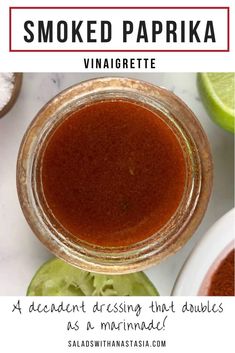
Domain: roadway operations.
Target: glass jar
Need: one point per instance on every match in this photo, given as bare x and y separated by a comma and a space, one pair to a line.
174, 234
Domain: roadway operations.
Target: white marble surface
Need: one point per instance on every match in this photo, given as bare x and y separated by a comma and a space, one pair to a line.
20, 251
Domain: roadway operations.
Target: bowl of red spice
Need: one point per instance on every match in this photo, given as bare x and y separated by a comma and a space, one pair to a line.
209, 270
219, 280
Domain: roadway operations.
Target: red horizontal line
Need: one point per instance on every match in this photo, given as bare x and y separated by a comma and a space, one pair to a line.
116, 50
118, 7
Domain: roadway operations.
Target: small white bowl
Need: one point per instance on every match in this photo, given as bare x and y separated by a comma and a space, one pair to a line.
14, 94
208, 253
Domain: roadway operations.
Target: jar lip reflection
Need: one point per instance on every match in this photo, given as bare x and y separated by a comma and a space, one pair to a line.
179, 228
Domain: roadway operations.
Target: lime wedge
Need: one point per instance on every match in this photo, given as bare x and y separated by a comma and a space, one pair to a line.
218, 95
56, 278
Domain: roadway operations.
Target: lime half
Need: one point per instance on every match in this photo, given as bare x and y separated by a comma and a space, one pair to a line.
218, 95
56, 278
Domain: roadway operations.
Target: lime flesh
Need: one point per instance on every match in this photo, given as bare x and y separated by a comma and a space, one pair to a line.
57, 278
217, 91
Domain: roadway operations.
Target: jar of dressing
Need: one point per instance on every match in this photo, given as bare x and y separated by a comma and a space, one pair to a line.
114, 175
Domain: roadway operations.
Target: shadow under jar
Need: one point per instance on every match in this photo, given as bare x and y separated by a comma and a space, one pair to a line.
114, 175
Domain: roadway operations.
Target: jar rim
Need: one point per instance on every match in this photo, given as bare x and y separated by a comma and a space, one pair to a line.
151, 250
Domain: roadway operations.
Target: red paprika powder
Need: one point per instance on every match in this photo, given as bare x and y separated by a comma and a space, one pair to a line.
222, 282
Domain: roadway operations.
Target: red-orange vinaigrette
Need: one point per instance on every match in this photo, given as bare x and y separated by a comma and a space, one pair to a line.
113, 173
